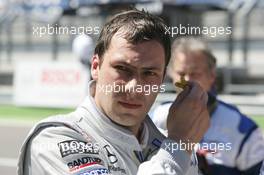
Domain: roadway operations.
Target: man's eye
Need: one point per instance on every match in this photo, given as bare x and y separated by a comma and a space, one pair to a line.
150, 73
122, 68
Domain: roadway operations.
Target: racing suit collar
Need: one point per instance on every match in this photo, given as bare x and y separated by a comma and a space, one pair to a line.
111, 131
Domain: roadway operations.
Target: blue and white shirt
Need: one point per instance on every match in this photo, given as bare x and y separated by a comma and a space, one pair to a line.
234, 144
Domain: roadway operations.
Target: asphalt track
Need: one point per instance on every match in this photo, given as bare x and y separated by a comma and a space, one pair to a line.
12, 134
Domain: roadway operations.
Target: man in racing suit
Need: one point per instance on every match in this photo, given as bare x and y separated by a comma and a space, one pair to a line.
110, 132
240, 143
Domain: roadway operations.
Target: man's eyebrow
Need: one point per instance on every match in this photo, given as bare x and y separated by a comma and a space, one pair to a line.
152, 68
124, 64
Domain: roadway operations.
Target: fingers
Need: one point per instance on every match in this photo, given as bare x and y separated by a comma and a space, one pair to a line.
189, 114
198, 127
183, 94
193, 91
197, 95
196, 91
202, 124
204, 98
192, 98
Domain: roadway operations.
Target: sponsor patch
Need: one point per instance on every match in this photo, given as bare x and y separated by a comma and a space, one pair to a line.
112, 157
69, 147
156, 143
113, 168
83, 166
139, 155
83, 162
96, 171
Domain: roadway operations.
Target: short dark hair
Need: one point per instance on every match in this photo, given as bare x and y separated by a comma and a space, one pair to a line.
190, 44
138, 26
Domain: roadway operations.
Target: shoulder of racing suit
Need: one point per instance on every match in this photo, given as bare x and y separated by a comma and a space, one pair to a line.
59, 145
56, 145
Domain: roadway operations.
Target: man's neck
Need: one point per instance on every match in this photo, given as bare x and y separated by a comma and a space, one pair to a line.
137, 131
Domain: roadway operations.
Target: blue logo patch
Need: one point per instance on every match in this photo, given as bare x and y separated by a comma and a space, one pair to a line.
97, 171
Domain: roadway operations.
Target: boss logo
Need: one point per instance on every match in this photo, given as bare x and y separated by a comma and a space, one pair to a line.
69, 147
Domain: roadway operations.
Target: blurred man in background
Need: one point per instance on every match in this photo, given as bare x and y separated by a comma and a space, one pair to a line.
111, 133
82, 47
240, 141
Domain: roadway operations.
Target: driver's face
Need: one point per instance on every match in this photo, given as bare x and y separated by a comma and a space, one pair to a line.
129, 66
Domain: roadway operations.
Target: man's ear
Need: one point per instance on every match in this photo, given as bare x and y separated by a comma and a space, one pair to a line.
95, 66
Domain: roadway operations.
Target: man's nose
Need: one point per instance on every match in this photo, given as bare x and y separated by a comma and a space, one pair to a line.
134, 88
131, 85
